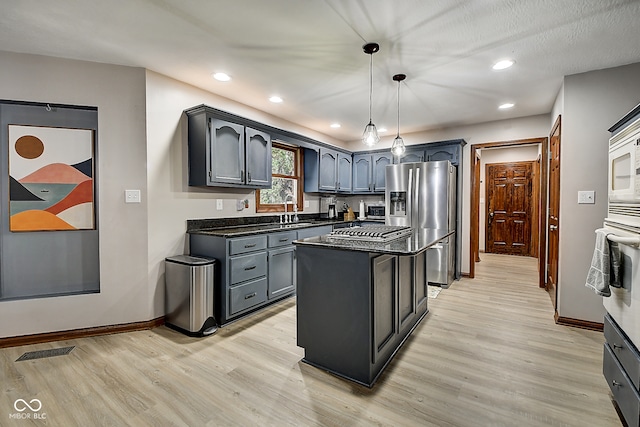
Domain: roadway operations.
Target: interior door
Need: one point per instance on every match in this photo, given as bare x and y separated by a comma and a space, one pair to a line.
554, 214
509, 193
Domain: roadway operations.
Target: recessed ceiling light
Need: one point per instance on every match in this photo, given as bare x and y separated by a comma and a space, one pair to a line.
222, 77
335, 125
382, 129
506, 105
503, 64
275, 99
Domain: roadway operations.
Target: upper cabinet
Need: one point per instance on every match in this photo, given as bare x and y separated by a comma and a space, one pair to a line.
449, 152
369, 172
412, 155
227, 154
327, 171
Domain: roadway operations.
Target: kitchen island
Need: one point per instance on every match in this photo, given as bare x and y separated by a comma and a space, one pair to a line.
358, 301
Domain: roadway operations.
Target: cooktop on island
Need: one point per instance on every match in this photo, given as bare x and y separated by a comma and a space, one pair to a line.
372, 233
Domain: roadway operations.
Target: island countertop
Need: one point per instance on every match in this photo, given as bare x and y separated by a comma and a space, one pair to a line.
418, 241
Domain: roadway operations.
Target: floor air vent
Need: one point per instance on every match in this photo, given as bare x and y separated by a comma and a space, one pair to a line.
31, 355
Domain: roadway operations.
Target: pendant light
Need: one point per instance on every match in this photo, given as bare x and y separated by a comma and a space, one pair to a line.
370, 135
398, 148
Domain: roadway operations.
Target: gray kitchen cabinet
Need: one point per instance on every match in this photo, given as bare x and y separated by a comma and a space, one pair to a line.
413, 155
282, 265
382, 300
303, 233
327, 171
227, 154
443, 152
369, 172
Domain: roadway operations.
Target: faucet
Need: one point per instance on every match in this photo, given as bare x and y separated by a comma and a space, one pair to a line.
286, 219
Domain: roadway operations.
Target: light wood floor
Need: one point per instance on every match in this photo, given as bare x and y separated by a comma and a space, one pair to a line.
488, 354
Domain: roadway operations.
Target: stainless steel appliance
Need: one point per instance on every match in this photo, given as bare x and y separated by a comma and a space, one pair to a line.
375, 212
328, 207
423, 195
372, 233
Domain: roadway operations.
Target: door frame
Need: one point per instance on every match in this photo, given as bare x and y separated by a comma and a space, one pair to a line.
474, 247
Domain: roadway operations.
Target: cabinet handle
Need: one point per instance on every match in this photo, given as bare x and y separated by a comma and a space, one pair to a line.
249, 246
249, 268
615, 383
249, 176
242, 174
284, 240
250, 296
616, 346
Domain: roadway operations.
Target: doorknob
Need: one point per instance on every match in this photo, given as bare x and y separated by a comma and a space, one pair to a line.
553, 227
490, 217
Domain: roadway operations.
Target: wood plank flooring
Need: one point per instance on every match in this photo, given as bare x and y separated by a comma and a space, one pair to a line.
488, 354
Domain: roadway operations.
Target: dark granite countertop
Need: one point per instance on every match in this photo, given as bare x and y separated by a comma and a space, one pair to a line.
420, 240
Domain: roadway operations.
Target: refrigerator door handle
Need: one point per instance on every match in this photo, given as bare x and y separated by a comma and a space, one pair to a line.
409, 200
416, 222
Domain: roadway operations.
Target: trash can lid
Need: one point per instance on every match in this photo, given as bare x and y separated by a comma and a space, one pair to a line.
190, 260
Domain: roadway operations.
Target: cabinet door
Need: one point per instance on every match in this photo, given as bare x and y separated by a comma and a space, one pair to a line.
412, 156
406, 291
345, 172
362, 173
282, 274
422, 289
227, 152
380, 162
328, 170
258, 158
385, 303
447, 152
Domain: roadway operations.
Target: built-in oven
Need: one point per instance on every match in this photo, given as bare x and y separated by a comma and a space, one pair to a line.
624, 174
624, 303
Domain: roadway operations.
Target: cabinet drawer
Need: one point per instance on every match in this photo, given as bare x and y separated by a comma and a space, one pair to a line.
624, 393
623, 349
315, 231
281, 239
247, 244
246, 267
248, 295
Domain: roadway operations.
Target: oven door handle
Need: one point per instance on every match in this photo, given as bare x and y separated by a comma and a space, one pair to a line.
629, 241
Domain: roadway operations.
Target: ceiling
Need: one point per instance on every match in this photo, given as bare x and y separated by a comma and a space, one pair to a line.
309, 52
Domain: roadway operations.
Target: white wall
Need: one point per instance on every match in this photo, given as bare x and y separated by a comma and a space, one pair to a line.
503, 130
119, 94
592, 102
499, 155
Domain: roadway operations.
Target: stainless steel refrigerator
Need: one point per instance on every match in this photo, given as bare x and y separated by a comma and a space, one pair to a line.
423, 195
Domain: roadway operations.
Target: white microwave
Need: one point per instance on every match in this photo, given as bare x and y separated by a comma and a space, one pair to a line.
624, 175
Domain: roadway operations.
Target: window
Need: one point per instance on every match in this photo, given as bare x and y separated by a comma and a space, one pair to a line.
286, 172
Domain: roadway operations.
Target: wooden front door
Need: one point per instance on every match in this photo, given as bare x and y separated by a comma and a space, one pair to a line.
554, 213
508, 219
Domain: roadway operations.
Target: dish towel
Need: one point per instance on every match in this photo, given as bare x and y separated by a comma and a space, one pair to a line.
606, 265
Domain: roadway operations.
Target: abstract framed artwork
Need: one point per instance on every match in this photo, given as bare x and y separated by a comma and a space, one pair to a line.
51, 185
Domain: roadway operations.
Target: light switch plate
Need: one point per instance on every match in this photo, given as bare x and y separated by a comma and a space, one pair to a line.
132, 196
586, 197
219, 204
306, 203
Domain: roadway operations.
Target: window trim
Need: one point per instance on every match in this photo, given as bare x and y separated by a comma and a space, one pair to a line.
299, 176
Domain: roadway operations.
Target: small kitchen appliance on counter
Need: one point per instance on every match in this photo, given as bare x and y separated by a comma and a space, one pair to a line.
328, 207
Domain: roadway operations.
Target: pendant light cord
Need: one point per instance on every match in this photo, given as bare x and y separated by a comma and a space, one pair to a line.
398, 133
370, 82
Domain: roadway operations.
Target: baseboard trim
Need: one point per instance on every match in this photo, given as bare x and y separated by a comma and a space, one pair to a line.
577, 323
80, 333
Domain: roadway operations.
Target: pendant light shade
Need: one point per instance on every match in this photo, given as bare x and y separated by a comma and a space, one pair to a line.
398, 148
370, 135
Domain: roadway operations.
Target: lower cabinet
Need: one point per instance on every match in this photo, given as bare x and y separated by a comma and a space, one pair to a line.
621, 368
255, 270
353, 316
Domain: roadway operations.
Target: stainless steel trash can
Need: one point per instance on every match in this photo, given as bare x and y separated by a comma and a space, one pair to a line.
189, 284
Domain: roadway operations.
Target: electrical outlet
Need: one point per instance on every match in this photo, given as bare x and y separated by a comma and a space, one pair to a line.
132, 196
586, 197
306, 203
219, 204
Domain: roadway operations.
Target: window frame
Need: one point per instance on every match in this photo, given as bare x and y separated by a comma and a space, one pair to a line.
298, 171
